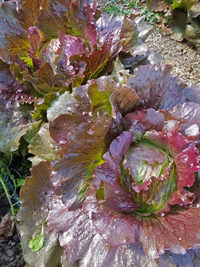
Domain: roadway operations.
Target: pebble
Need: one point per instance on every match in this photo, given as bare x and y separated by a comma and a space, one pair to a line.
10, 253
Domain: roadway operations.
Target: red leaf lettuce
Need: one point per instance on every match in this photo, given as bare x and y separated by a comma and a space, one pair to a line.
125, 190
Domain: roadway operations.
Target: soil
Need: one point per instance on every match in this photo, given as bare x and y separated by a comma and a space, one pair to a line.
10, 249
186, 64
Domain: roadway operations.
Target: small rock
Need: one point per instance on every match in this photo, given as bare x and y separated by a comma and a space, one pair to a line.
10, 259
13, 244
10, 253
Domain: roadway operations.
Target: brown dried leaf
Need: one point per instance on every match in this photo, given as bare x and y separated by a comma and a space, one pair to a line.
6, 226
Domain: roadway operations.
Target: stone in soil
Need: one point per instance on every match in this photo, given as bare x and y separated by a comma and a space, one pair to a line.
10, 249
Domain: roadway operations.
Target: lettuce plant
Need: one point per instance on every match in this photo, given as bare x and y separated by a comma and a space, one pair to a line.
184, 16
123, 188
47, 47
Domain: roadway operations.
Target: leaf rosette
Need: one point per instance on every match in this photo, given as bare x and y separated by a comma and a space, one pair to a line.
124, 188
47, 47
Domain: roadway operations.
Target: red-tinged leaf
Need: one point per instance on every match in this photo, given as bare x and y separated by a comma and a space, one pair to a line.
187, 115
94, 62
75, 230
80, 157
120, 145
114, 195
63, 124
14, 28
124, 99
121, 33
63, 14
187, 163
44, 80
178, 24
72, 45
76, 103
116, 228
43, 147
156, 88
11, 90
177, 231
37, 198
36, 38
139, 122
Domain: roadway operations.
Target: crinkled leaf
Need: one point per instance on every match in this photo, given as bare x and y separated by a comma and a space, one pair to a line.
44, 79
177, 231
115, 196
139, 122
156, 88
63, 15
121, 33
80, 156
192, 32
178, 25
11, 90
100, 99
14, 28
94, 63
37, 198
188, 116
43, 147
15, 123
158, 5
75, 103
183, 4
76, 227
116, 228
63, 124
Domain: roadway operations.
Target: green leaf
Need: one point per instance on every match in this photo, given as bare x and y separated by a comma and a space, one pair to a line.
20, 182
36, 243
183, 4
100, 99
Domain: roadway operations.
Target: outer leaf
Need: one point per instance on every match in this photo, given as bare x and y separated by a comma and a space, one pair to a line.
44, 79
63, 16
121, 33
178, 26
192, 31
81, 155
158, 5
158, 89
76, 227
43, 147
75, 103
15, 122
117, 229
14, 28
177, 231
188, 116
11, 90
34, 210
183, 4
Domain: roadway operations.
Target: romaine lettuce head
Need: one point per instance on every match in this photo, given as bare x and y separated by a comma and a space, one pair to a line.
125, 190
